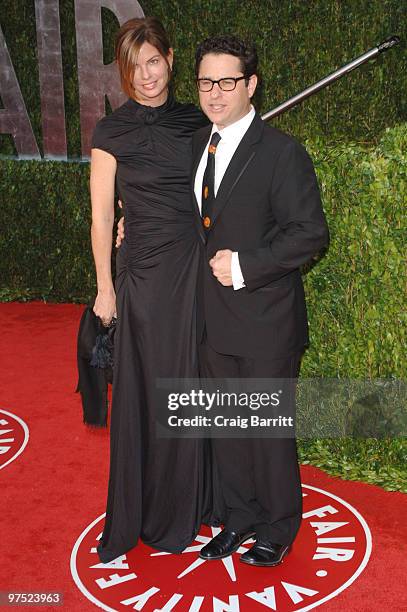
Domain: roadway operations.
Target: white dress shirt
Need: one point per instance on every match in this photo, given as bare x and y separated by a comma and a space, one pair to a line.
231, 137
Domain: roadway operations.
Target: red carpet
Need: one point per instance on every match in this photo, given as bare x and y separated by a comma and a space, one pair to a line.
56, 487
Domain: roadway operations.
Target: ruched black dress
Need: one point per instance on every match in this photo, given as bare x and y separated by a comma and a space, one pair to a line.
158, 488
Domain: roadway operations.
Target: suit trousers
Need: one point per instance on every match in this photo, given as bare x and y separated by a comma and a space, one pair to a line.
259, 477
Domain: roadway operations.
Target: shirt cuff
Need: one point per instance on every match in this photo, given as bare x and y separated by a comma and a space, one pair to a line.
237, 276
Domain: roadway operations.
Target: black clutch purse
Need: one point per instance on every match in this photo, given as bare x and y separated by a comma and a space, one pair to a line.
95, 348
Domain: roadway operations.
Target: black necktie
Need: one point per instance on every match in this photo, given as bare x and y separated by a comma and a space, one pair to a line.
208, 183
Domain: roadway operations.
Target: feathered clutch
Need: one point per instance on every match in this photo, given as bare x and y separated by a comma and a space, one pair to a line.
95, 366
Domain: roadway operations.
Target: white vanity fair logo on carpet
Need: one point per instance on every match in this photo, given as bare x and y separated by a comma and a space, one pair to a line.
13, 437
331, 550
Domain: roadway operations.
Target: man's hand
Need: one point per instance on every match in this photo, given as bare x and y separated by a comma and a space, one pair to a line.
221, 264
120, 229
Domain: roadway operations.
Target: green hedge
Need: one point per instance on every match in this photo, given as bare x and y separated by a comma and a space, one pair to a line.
355, 293
45, 251
298, 43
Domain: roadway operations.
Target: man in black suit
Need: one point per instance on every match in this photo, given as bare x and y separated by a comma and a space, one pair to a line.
260, 218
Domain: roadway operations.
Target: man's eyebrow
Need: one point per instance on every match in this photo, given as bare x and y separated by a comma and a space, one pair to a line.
211, 79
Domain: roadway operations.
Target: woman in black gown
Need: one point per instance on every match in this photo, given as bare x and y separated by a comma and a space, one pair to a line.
159, 489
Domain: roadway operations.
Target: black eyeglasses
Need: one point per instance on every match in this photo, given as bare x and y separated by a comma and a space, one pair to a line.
226, 84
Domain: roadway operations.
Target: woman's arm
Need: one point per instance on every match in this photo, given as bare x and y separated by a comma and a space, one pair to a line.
102, 179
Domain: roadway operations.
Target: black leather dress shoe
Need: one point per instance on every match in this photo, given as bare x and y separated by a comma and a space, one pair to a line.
224, 544
265, 553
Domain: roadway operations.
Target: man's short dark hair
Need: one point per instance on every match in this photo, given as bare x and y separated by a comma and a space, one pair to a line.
231, 45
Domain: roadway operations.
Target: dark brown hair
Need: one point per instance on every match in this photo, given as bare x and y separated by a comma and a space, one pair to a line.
129, 39
231, 45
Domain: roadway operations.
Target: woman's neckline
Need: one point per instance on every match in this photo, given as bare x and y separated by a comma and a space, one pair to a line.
148, 108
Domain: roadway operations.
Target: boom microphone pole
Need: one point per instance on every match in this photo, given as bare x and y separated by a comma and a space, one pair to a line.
334, 76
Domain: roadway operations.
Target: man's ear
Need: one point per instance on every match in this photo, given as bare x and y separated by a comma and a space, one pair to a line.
252, 84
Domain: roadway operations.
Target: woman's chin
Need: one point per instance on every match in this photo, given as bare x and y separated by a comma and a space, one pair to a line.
154, 95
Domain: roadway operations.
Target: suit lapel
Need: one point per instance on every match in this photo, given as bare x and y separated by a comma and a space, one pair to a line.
241, 159
198, 151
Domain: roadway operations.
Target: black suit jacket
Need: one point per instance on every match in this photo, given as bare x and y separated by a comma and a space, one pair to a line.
268, 208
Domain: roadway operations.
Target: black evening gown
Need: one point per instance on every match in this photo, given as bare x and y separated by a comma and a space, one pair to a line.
159, 489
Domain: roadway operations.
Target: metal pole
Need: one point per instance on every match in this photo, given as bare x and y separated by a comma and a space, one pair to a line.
334, 76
